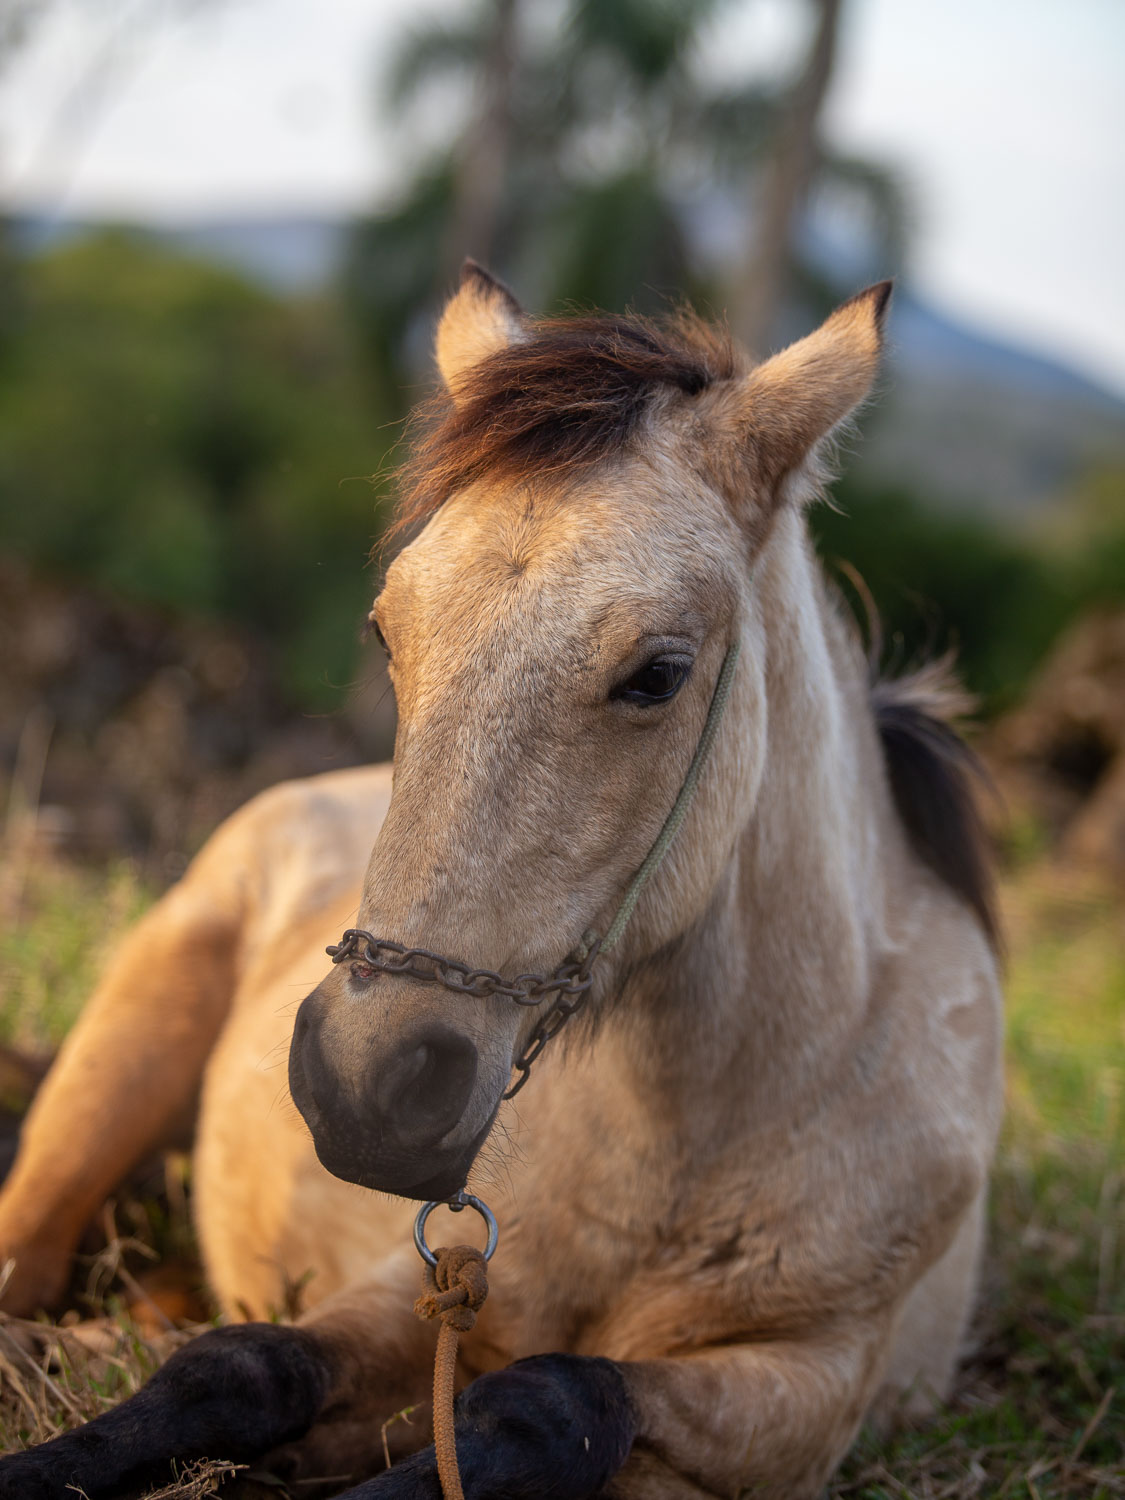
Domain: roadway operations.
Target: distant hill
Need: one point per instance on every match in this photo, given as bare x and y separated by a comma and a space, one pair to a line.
964, 418
971, 420
936, 345
290, 253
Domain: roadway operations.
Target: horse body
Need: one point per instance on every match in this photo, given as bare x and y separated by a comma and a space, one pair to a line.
741, 1197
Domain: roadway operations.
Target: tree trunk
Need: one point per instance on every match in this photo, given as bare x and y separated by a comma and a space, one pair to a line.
761, 286
483, 158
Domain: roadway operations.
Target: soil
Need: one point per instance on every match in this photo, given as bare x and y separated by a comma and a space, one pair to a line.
127, 731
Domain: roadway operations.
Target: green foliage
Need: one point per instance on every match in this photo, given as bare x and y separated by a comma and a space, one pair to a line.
1090, 536
175, 434
600, 239
649, 39
1000, 597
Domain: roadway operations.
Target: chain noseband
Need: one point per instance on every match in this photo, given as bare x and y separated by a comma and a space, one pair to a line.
570, 982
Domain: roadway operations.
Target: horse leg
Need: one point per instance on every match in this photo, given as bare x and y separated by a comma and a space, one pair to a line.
126, 1075
774, 1419
554, 1424
771, 1420
309, 1400
232, 1393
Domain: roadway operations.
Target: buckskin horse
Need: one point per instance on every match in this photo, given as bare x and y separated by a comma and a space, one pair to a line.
741, 1197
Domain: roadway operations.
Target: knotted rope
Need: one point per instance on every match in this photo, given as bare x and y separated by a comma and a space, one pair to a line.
454, 1290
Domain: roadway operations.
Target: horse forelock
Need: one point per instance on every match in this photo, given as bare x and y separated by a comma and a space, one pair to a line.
571, 394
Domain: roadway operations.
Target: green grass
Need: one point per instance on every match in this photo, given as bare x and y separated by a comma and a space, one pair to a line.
1039, 1413
1066, 1018
58, 924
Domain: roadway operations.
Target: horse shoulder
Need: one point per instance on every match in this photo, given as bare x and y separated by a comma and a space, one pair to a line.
939, 995
834, 1215
912, 1130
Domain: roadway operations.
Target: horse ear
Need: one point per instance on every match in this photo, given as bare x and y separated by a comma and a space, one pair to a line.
795, 399
481, 318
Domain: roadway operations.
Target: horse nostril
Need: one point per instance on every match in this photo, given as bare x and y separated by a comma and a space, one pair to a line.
414, 1065
424, 1090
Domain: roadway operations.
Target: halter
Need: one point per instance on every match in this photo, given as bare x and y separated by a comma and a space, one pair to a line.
570, 982
456, 1280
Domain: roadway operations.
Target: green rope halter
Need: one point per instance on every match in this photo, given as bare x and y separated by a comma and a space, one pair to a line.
655, 856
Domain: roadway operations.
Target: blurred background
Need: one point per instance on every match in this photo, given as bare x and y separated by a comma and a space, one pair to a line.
226, 228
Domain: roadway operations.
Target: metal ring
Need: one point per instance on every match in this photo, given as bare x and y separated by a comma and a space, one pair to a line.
459, 1201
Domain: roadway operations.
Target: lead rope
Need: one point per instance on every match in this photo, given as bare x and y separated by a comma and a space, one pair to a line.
455, 1290
455, 1281
655, 856
454, 1286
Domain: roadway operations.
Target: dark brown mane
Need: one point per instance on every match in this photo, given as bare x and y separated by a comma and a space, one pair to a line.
569, 395
935, 779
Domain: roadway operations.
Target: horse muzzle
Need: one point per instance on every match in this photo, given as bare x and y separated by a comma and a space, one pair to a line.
403, 1119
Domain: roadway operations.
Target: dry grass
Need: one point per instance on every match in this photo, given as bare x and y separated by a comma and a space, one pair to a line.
1040, 1411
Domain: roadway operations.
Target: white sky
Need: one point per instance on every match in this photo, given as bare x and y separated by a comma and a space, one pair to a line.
1007, 118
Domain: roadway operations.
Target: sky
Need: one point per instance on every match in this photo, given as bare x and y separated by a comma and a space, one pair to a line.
1006, 118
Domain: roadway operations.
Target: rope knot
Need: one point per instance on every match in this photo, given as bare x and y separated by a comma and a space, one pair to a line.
455, 1288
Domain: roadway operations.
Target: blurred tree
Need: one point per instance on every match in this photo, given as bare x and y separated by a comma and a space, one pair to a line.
591, 146
999, 598
17, 18
760, 284
482, 156
11, 280
177, 435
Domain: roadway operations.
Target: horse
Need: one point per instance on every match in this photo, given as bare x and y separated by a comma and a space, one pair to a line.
741, 1196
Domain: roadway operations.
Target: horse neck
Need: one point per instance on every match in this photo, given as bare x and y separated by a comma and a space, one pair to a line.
780, 966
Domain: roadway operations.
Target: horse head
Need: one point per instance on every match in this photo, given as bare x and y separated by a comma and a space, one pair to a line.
595, 495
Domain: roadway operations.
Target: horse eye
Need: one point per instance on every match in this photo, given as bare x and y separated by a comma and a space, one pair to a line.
381, 638
656, 682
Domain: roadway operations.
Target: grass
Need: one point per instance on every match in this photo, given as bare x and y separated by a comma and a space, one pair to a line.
58, 924
1040, 1408
1039, 1412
